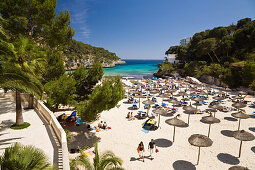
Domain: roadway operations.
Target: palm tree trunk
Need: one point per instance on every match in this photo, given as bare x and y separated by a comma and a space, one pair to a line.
19, 116
31, 102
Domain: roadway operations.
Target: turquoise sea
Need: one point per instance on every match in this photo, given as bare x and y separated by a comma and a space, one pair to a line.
134, 68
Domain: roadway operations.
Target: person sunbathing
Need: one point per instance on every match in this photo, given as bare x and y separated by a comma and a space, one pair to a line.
104, 125
100, 124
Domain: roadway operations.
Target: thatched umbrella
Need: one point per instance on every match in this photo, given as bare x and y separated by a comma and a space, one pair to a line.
197, 99
216, 107
203, 93
210, 120
238, 97
240, 115
218, 98
175, 122
189, 109
140, 96
182, 93
175, 102
238, 168
220, 93
239, 105
164, 95
159, 111
149, 102
242, 135
200, 141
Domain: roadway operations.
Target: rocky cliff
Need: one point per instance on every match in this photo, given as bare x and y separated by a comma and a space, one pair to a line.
73, 63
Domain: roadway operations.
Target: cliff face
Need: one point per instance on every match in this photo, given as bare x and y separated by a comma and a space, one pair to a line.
73, 63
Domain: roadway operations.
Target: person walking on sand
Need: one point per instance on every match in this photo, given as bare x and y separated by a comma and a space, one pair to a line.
141, 150
151, 147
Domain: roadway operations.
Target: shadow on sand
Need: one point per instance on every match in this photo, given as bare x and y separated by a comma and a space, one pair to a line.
81, 136
228, 159
252, 129
227, 133
140, 159
230, 119
183, 165
163, 143
253, 149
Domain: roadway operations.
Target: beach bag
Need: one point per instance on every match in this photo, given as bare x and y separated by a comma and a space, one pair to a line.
156, 151
97, 130
138, 149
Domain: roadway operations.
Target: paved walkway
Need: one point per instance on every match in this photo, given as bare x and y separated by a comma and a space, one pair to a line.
37, 134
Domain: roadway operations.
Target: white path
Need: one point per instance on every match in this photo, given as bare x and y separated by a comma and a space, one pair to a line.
37, 134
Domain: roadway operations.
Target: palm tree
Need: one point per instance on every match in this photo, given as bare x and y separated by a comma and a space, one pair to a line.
19, 156
21, 64
106, 161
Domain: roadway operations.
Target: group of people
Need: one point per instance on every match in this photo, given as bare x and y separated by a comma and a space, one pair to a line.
130, 116
151, 147
102, 125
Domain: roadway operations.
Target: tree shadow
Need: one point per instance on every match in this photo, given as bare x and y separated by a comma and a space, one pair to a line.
253, 149
230, 119
125, 102
252, 129
227, 133
135, 159
81, 136
183, 165
228, 159
6, 124
163, 143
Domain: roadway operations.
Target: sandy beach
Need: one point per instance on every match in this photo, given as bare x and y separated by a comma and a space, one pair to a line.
124, 136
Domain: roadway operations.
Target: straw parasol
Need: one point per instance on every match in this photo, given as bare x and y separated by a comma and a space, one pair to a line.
210, 120
238, 97
203, 93
182, 93
149, 102
239, 105
242, 135
175, 122
216, 107
238, 168
189, 109
200, 141
159, 111
218, 98
164, 95
220, 93
140, 96
240, 115
197, 99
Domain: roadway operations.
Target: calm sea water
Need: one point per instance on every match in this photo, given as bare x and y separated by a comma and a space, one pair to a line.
134, 68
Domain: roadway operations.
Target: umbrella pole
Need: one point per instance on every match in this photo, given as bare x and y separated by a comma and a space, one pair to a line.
209, 130
158, 119
139, 102
198, 155
188, 118
239, 123
240, 149
174, 134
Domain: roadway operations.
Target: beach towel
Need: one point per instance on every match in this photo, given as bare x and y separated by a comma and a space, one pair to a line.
145, 131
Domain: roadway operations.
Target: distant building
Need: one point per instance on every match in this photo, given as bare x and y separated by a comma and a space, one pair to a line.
185, 41
172, 58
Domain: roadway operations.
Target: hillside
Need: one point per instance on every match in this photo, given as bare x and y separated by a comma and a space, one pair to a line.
224, 53
79, 53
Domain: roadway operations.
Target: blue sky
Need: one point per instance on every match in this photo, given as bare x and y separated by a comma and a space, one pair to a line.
145, 29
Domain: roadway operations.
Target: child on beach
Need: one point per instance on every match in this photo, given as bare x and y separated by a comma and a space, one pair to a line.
141, 150
151, 147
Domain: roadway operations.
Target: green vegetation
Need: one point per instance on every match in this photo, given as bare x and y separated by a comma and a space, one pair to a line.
103, 97
60, 91
28, 30
86, 79
24, 157
18, 127
225, 53
107, 160
78, 50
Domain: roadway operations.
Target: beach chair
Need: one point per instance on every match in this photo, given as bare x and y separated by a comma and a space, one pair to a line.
164, 104
204, 102
135, 106
146, 106
156, 106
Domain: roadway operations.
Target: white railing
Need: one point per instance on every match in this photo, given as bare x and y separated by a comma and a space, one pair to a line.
57, 128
